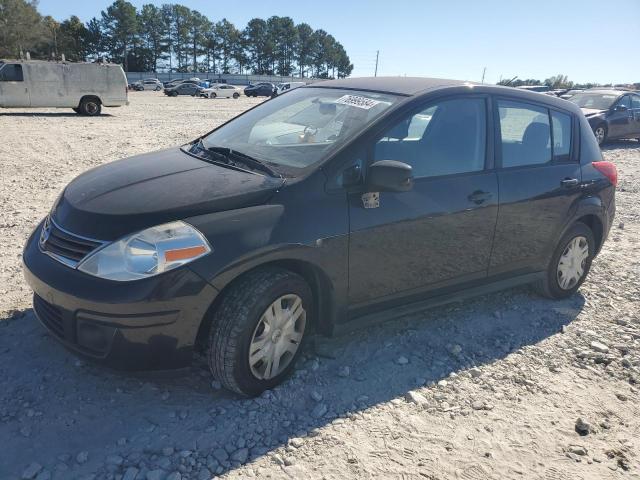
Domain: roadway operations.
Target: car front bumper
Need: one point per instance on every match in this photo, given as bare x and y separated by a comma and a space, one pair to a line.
148, 324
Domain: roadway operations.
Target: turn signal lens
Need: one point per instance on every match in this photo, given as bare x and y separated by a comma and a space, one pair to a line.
609, 170
184, 253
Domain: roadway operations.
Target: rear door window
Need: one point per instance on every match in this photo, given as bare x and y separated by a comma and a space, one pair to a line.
635, 101
525, 134
11, 73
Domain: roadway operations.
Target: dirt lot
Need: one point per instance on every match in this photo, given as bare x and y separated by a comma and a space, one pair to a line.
486, 389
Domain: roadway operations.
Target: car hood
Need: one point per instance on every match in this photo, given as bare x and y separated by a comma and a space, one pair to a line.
591, 111
129, 195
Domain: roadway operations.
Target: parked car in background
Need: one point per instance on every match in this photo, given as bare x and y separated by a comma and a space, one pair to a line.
612, 114
262, 89
84, 87
321, 206
184, 88
152, 84
284, 87
570, 93
178, 81
221, 90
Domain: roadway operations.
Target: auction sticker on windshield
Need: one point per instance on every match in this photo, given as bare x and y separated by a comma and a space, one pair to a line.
357, 101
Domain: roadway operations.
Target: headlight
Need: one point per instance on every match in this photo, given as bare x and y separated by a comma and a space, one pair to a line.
147, 253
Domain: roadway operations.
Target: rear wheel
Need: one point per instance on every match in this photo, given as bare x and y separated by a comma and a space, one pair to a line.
569, 264
236, 95
90, 106
601, 133
258, 330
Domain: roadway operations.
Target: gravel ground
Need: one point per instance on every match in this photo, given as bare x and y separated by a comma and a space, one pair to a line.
508, 385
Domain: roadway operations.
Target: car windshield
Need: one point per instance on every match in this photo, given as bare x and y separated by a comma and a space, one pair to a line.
598, 101
299, 129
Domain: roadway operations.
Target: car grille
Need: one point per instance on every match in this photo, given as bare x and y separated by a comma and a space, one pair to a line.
65, 246
50, 315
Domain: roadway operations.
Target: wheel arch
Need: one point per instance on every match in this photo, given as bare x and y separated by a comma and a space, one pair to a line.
88, 97
324, 311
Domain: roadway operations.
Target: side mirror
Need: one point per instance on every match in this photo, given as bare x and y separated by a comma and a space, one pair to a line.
389, 176
621, 108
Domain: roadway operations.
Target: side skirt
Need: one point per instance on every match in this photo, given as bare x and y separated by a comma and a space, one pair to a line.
435, 301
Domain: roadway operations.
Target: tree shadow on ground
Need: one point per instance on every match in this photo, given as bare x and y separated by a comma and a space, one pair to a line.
54, 404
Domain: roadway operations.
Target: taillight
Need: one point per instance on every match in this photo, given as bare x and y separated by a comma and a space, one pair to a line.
609, 170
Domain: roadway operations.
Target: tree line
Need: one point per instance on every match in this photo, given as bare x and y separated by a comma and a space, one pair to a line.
172, 37
554, 82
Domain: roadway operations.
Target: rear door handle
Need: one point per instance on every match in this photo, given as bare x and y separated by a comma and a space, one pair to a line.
479, 197
569, 182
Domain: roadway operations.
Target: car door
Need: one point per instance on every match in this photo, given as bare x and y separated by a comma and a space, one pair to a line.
440, 232
14, 89
621, 118
635, 105
539, 179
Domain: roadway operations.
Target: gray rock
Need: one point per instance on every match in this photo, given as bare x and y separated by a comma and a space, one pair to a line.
344, 372
296, 442
475, 372
455, 349
115, 460
220, 454
415, 397
402, 360
240, 455
156, 474
31, 471
599, 347
82, 457
167, 451
316, 396
288, 461
131, 473
577, 450
174, 476
582, 427
319, 410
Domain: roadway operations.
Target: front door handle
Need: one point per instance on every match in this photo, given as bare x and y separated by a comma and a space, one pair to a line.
569, 182
479, 197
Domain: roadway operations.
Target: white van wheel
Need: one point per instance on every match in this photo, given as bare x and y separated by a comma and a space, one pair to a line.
90, 106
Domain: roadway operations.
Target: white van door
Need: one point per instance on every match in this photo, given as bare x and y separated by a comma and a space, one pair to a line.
14, 90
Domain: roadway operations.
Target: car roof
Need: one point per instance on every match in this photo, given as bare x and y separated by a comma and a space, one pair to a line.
397, 85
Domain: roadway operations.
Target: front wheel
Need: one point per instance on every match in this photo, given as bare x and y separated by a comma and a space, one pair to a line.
569, 264
236, 95
601, 133
212, 95
258, 330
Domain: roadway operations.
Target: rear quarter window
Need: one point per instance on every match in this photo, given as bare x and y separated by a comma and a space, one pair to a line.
561, 124
11, 73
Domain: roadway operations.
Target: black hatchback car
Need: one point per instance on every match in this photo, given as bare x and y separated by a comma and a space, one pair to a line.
612, 114
337, 201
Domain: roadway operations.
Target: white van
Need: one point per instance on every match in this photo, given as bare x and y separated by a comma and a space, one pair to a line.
84, 87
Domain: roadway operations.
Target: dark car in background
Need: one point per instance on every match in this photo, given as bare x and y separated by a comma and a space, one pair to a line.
262, 89
338, 201
184, 88
612, 114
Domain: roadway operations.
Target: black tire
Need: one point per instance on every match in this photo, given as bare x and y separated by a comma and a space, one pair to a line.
601, 138
236, 319
90, 106
236, 95
174, 94
213, 95
549, 285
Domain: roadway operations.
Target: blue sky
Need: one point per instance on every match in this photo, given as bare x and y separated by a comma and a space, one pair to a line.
588, 40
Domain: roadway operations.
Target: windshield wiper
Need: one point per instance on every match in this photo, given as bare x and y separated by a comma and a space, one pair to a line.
233, 157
